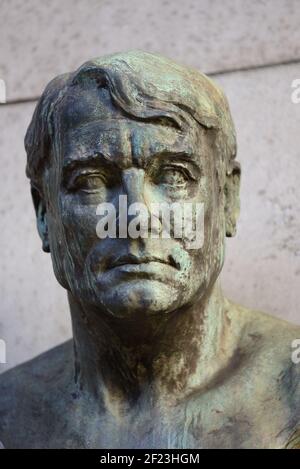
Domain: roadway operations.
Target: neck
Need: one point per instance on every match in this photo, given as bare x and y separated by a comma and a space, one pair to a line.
117, 361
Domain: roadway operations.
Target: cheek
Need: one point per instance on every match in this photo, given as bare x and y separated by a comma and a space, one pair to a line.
214, 226
78, 223
208, 260
214, 242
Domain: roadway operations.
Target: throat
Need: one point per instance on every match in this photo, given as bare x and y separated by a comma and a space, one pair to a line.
120, 364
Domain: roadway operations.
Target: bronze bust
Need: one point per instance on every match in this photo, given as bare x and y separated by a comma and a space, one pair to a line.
159, 357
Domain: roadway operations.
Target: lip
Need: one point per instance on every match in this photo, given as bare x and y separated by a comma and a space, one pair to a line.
150, 270
132, 261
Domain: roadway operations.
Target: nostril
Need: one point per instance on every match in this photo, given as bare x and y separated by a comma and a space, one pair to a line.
173, 262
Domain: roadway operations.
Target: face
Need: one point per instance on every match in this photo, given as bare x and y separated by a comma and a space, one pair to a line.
104, 154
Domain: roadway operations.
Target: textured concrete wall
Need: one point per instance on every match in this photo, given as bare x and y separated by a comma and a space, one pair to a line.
252, 48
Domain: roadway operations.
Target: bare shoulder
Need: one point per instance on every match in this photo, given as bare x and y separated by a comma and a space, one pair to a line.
271, 335
273, 348
269, 331
28, 393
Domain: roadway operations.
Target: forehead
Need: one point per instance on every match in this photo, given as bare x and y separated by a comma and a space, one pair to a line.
91, 124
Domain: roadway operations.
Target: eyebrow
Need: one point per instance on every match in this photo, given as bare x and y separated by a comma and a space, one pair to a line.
175, 158
94, 159
183, 155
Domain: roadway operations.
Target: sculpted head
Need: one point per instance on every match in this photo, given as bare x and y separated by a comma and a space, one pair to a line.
139, 125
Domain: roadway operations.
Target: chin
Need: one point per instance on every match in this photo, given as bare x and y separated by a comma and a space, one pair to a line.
139, 298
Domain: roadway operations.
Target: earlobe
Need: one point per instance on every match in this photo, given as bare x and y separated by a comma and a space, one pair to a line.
232, 199
41, 218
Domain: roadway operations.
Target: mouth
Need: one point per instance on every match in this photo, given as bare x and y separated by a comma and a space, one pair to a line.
132, 260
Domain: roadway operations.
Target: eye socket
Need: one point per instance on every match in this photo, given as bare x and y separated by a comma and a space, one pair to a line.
173, 176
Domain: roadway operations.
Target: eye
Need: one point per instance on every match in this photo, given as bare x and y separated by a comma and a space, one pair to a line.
89, 182
173, 176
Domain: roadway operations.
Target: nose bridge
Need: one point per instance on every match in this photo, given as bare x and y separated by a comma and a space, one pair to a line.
134, 188
133, 184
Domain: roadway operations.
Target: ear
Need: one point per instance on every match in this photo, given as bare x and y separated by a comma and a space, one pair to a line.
232, 199
41, 217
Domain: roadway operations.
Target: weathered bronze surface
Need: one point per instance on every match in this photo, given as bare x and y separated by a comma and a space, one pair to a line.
159, 358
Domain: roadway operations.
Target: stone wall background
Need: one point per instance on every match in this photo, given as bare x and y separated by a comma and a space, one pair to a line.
250, 47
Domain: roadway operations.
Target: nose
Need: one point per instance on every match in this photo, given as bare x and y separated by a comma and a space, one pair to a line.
133, 180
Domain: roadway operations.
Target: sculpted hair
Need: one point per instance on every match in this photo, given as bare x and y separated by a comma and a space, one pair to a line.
144, 87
